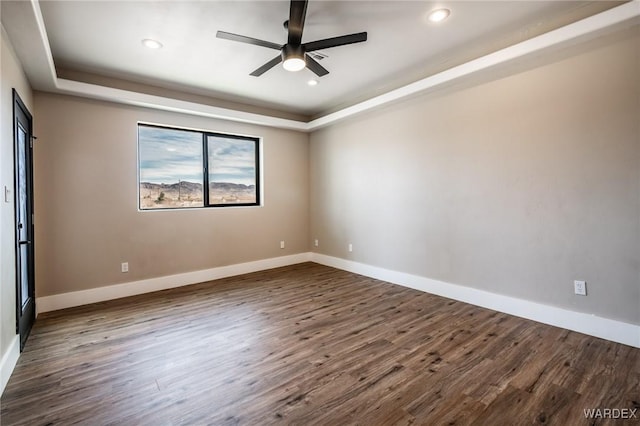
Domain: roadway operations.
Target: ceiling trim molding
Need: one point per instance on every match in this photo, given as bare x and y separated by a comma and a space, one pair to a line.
42, 32
623, 14
127, 97
584, 27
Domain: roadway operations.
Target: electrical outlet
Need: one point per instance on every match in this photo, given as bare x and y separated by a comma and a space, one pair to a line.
316, 243
580, 288
124, 267
350, 247
281, 244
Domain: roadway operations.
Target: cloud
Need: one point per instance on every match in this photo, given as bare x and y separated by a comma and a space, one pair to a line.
232, 160
169, 155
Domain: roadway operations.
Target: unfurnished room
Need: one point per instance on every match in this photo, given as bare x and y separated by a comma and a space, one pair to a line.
323, 212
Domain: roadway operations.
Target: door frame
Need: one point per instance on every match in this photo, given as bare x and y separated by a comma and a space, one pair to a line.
30, 310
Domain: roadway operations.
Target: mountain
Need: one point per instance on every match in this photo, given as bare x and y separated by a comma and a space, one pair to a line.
189, 194
184, 187
187, 187
230, 187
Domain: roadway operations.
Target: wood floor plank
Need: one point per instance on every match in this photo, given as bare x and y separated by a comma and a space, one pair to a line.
310, 345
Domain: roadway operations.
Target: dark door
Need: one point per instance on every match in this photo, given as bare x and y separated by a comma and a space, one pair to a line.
25, 286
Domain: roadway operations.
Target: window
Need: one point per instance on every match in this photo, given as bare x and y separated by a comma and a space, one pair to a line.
180, 168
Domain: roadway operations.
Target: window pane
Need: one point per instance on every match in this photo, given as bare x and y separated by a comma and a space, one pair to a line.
171, 173
232, 170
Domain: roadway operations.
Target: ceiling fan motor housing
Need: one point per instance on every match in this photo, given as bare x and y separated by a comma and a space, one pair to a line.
290, 52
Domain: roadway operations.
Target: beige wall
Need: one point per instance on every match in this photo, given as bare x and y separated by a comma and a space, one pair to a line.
87, 221
12, 77
516, 186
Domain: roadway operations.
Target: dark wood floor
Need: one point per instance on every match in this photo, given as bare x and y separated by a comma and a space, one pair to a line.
310, 345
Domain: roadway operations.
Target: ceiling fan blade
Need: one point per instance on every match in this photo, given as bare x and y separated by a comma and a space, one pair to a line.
249, 40
335, 41
266, 67
314, 66
297, 13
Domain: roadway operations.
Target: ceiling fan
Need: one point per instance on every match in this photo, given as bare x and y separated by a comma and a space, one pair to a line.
293, 54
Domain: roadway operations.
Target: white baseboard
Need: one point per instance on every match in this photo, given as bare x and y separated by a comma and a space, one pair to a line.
117, 291
8, 363
616, 331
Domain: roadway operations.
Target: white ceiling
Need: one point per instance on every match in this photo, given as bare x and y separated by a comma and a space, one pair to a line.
104, 38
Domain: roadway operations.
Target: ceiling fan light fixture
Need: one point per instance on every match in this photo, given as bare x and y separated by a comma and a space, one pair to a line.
293, 58
439, 15
294, 64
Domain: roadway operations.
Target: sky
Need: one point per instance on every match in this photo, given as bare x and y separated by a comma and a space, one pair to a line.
170, 155
231, 160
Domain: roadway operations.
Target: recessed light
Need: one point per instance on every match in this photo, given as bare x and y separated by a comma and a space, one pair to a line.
312, 82
152, 44
439, 15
